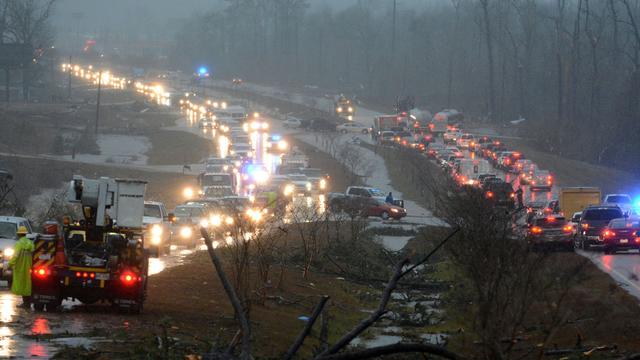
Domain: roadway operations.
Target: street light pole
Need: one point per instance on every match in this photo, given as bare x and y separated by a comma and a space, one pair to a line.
69, 82
98, 102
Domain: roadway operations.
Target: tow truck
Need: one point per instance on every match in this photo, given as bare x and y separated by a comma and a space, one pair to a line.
100, 258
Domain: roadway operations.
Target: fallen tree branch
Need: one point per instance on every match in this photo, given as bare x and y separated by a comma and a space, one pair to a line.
307, 329
245, 327
382, 309
393, 349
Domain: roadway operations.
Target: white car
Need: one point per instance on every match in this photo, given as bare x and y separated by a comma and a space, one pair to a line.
299, 184
156, 222
352, 127
541, 180
465, 140
623, 201
8, 227
292, 122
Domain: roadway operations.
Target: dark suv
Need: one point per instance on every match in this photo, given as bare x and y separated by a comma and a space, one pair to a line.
593, 221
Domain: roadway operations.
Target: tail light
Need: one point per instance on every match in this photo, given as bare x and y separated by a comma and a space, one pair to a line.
85, 275
567, 229
551, 218
129, 278
512, 195
608, 234
489, 194
584, 226
42, 272
548, 210
536, 230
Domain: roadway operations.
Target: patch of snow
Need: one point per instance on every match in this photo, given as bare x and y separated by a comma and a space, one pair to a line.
394, 243
379, 340
117, 149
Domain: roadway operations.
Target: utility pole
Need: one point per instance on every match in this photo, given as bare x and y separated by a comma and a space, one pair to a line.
69, 81
393, 30
98, 101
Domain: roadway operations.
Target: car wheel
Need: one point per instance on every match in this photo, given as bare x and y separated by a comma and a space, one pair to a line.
384, 215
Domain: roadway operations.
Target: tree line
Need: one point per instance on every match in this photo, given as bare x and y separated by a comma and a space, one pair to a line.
570, 67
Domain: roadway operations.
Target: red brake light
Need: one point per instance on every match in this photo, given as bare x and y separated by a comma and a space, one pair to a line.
42, 272
489, 194
551, 218
536, 230
608, 234
129, 278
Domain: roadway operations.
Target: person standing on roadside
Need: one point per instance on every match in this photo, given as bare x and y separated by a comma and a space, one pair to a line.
20, 263
389, 199
519, 198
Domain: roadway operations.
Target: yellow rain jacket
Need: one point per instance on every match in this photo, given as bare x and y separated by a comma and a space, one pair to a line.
21, 265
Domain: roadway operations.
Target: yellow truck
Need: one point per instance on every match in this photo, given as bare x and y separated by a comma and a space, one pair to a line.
575, 199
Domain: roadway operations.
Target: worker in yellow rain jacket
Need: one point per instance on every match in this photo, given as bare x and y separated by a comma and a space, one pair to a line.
21, 265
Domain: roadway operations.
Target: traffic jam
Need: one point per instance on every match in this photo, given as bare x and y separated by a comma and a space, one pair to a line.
255, 178
548, 216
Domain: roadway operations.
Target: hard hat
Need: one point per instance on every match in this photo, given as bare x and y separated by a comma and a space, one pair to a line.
22, 230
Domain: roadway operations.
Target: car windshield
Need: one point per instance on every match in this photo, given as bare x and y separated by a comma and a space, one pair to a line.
314, 173
8, 230
623, 224
602, 214
551, 222
152, 211
376, 192
216, 180
188, 211
618, 199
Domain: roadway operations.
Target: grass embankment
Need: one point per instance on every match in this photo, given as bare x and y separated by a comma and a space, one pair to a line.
170, 147
30, 174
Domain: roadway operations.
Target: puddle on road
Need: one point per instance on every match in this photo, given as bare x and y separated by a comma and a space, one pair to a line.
25, 334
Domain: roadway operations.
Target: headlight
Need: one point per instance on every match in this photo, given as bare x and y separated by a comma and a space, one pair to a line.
204, 223
282, 145
323, 184
308, 186
155, 239
186, 232
339, 109
156, 230
229, 220
288, 190
8, 252
215, 220
394, 210
350, 109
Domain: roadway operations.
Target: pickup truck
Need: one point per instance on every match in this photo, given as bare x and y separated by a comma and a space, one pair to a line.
367, 201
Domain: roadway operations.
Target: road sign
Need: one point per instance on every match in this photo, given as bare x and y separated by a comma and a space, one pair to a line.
15, 55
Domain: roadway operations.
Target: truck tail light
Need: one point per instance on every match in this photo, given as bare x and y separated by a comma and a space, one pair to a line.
129, 278
608, 234
42, 272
